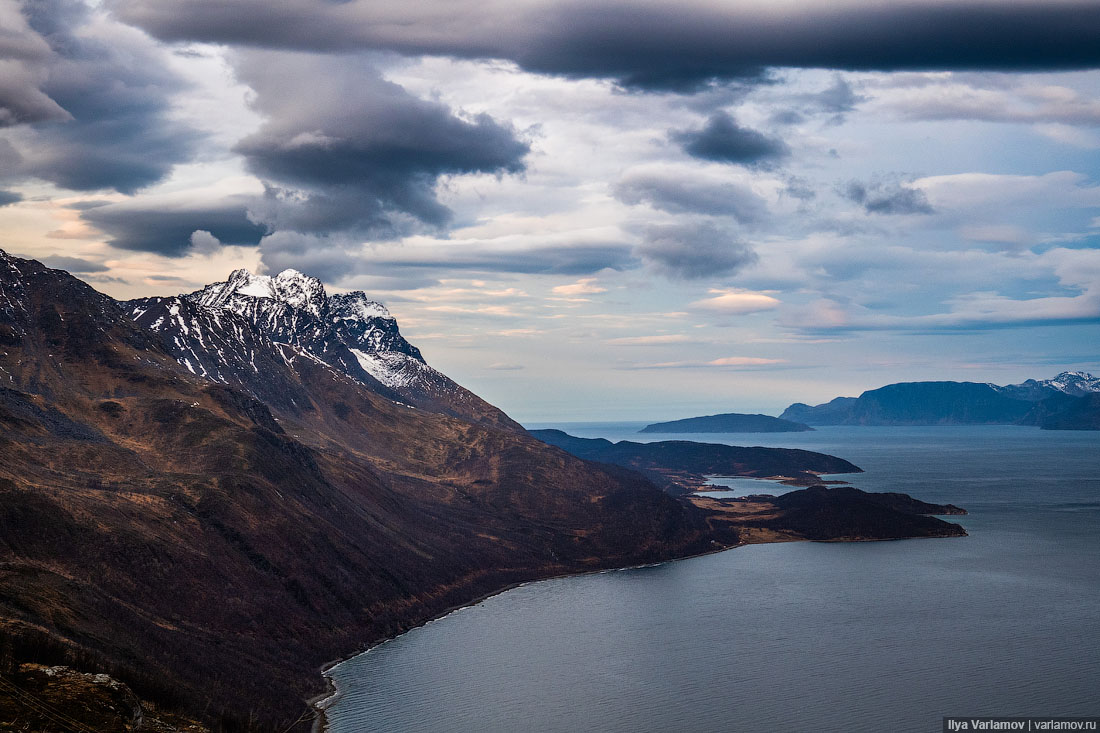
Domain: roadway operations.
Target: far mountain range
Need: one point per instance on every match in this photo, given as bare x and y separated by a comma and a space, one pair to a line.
1070, 401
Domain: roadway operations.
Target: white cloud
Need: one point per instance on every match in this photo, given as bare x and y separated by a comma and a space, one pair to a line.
949, 98
967, 190
744, 362
1076, 269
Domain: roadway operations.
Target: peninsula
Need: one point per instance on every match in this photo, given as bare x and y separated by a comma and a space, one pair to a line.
729, 422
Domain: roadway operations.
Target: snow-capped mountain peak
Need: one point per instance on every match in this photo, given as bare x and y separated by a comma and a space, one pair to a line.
289, 286
355, 306
1074, 383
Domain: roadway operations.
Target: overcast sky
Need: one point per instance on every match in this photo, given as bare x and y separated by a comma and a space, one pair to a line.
615, 210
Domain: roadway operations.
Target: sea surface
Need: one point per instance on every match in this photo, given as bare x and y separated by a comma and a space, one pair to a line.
875, 636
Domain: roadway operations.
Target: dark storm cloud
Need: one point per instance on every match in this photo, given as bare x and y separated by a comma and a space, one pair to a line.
887, 198
167, 230
694, 251
658, 46
724, 141
23, 57
9, 197
72, 264
112, 90
344, 149
689, 194
21, 101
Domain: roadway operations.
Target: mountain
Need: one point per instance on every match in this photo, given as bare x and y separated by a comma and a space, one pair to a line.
161, 521
1075, 384
730, 422
954, 403
349, 332
209, 496
684, 465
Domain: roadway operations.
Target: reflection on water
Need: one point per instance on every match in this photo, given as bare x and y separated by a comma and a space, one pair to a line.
741, 486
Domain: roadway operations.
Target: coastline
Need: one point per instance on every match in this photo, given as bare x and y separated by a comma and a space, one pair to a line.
321, 702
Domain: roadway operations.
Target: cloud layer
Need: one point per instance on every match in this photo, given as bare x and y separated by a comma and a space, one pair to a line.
657, 45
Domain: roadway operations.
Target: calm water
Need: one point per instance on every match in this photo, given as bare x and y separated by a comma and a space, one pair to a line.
887, 636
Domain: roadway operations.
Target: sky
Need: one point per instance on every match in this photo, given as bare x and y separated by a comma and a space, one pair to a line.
617, 211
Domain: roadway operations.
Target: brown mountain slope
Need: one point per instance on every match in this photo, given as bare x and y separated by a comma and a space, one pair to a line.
210, 552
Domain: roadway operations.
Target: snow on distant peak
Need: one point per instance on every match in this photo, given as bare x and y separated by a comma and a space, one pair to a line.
1075, 383
289, 286
356, 306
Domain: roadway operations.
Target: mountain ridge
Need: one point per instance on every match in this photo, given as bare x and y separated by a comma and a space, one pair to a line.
1053, 404
348, 331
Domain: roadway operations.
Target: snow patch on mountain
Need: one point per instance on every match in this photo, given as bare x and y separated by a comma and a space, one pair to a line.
1074, 383
289, 286
356, 306
349, 332
393, 369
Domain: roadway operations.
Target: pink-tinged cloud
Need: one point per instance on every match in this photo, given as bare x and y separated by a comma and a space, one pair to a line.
729, 362
737, 302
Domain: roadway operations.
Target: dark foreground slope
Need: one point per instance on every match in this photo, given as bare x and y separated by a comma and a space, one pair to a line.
212, 553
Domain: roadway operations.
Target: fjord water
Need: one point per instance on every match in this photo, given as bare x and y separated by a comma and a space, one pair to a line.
879, 636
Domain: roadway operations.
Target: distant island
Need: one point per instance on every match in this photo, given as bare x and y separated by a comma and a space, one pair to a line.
729, 422
1070, 401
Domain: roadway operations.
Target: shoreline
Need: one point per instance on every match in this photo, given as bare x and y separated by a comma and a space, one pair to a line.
321, 702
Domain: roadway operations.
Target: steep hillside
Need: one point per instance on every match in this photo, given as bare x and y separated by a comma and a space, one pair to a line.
212, 549
350, 332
